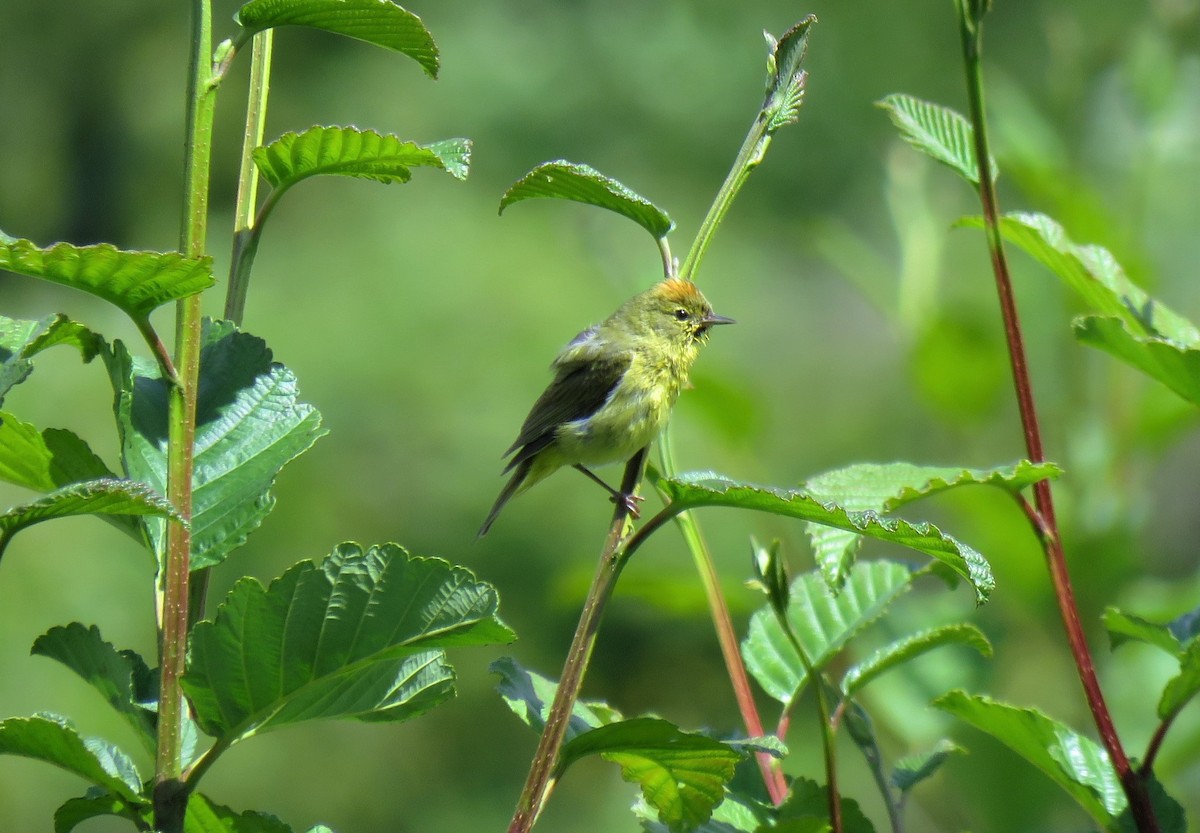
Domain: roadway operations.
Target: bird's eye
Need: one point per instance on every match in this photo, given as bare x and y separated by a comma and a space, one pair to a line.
682, 315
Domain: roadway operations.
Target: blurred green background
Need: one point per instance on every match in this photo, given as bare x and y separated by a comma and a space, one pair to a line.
420, 325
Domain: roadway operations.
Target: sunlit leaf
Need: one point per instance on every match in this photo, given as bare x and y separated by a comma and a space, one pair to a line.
822, 622
1174, 365
938, 132
45, 460
529, 695
54, 740
377, 22
785, 78
581, 183
1125, 627
95, 804
903, 650
21, 340
1184, 686
136, 282
699, 489
455, 155
887, 487
352, 637
913, 769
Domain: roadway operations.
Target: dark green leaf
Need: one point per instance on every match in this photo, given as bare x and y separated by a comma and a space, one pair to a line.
136, 282
1125, 627
785, 78
45, 460
529, 695
707, 489
54, 740
1076, 763
902, 650
349, 151
822, 622
938, 132
572, 181
770, 570
913, 769
206, 816
352, 637
889, 486
92, 497
1174, 365
249, 425
808, 804
121, 677
1186, 626
96, 803
682, 775
21, 340
377, 22
1184, 686
736, 814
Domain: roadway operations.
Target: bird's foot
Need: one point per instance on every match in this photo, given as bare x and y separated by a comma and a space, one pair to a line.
630, 502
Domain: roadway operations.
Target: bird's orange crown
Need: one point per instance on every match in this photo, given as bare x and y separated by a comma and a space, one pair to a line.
678, 291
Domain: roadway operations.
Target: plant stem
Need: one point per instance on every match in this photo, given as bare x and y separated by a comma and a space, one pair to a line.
247, 196
170, 796
690, 529
970, 24
540, 780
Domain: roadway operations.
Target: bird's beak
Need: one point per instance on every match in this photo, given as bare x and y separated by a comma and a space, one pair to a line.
717, 319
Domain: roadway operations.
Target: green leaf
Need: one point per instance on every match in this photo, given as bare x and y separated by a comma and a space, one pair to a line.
1094, 274
92, 497
54, 740
785, 78
807, 809
565, 180
822, 622
1076, 763
121, 677
1125, 627
96, 803
938, 132
1186, 626
21, 340
529, 695
136, 282
902, 650
377, 22
736, 814
349, 151
352, 637
913, 769
1184, 686
682, 775
45, 460
887, 487
206, 816
707, 489
1173, 365
249, 425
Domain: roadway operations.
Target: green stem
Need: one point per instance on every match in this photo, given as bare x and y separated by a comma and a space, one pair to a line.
170, 795
247, 196
540, 780
726, 636
970, 13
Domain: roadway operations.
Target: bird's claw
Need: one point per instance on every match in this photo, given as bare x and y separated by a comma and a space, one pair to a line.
630, 502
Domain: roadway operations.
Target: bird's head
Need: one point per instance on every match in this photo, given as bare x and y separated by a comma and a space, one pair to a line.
675, 311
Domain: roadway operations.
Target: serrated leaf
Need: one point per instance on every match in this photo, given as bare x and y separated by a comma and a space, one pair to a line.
822, 622
1076, 763
45, 460
736, 814
106, 496
565, 180
529, 695
1173, 365
136, 282
206, 816
785, 78
249, 425
698, 489
1094, 274
938, 132
887, 487
377, 22
910, 647
808, 804
119, 676
1183, 686
913, 769
682, 775
352, 637
1125, 627
54, 740
96, 803
21, 340
350, 151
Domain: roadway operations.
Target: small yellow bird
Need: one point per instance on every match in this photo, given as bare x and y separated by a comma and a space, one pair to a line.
613, 390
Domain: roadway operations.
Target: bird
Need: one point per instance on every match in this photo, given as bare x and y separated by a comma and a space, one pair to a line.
613, 389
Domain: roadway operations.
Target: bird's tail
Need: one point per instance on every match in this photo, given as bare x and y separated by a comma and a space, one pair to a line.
510, 488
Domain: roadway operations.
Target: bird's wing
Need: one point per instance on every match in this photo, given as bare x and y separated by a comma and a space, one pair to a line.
578, 390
